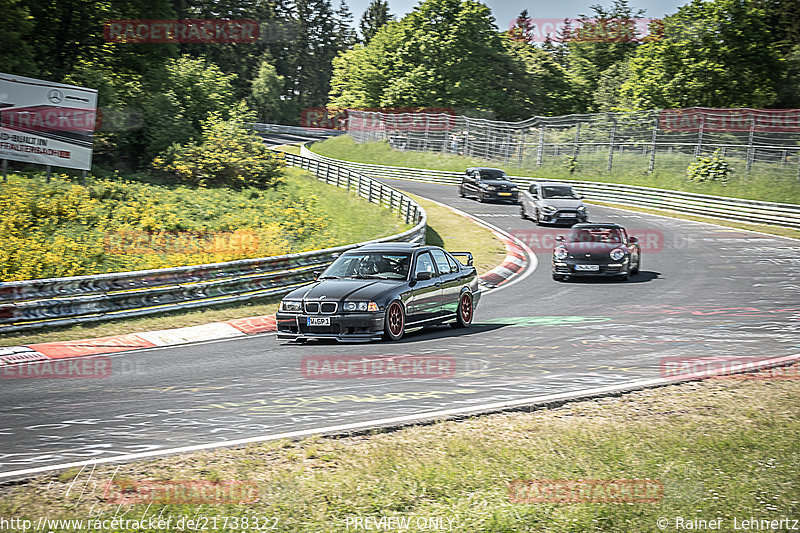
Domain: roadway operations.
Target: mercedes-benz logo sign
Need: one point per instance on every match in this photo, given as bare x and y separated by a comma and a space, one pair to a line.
55, 96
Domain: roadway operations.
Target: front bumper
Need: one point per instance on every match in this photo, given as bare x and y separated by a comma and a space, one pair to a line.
358, 327
568, 268
505, 196
563, 217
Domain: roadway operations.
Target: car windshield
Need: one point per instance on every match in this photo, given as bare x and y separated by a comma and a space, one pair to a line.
491, 174
606, 235
370, 265
558, 192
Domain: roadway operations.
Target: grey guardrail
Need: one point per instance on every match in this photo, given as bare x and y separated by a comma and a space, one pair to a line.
721, 207
39, 303
294, 130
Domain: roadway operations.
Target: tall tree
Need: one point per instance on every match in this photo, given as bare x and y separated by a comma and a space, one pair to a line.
346, 36
16, 25
266, 92
446, 53
522, 30
374, 18
312, 53
714, 54
601, 40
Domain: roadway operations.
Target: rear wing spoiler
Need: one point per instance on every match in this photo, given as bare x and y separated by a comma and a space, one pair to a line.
468, 255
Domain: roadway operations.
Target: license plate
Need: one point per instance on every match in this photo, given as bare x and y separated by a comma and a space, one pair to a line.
318, 321
587, 267
565, 215
504, 194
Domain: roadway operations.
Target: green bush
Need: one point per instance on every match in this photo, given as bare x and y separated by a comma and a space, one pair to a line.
228, 155
710, 168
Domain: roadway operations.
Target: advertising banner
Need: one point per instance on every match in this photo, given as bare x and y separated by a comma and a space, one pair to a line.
46, 123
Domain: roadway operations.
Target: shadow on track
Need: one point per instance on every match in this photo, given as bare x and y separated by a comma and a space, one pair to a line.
641, 277
415, 335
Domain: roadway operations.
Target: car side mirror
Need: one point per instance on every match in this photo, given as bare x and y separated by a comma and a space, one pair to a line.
560, 238
633, 240
580, 197
424, 276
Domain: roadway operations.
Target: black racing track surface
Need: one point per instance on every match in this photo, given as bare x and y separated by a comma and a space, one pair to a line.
703, 291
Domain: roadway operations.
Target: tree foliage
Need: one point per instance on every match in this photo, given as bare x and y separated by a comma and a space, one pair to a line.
714, 54
374, 18
446, 53
227, 154
710, 168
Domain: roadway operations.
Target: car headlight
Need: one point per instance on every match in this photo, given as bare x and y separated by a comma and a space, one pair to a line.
617, 254
560, 253
490, 188
291, 306
582, 208
360, 306
549, 209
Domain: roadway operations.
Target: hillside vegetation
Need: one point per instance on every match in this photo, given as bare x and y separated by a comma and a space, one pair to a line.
62, 228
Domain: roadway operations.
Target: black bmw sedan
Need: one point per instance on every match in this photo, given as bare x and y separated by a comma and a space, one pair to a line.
604, 250
379, 291
488, 184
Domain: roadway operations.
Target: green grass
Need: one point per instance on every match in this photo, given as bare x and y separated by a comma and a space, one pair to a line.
720, 448
768, 182
288, 148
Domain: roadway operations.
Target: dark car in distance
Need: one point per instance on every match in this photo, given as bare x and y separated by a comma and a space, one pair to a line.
598, 250
379, 291
488, 184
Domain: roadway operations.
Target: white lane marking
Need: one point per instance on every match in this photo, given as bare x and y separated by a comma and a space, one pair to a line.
415, 418
532, 259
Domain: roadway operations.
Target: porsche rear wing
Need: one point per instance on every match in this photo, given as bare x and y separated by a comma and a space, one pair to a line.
468, 255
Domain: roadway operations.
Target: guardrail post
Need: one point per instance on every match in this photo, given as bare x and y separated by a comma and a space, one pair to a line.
540, 148
575, 147
699, 146
611, 144
5, 168
798, 166
369, 193
750, 150
652, 165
